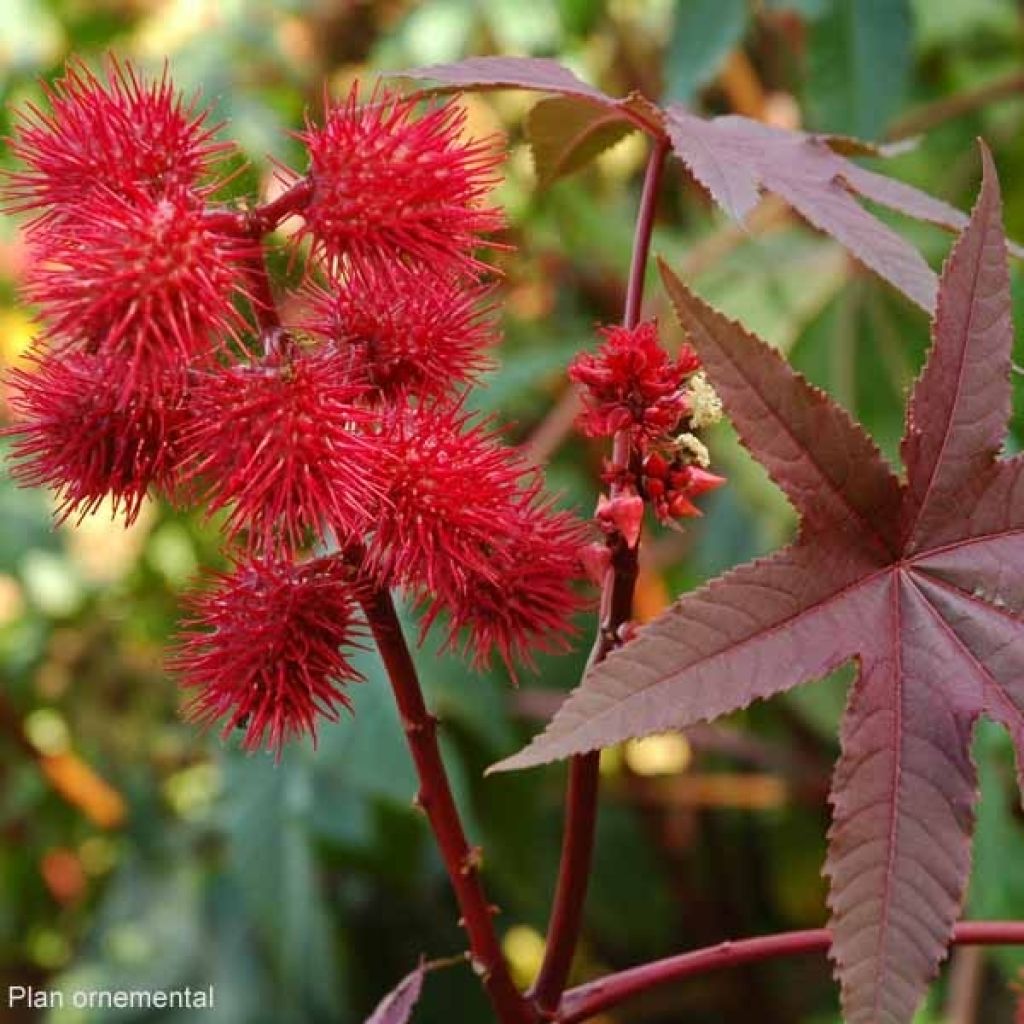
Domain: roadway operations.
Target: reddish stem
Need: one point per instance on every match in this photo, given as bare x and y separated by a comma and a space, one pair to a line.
643, 233
581, 1004
256, 224
435, 797
616, 610
264, 218
571, 888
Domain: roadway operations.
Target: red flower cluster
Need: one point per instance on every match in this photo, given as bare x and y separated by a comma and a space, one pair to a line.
346, 430
632, 384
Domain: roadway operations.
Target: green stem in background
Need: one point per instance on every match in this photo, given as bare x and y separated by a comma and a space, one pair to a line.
616, 610
583, 1003
461, 861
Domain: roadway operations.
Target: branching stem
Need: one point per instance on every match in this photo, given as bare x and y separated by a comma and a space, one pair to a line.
587, 1001
255, 225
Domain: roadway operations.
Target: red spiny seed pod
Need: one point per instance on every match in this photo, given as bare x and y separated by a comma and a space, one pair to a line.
408, 334
122, 134
393, 186
631, 383
524, 599
75, 434
267, 649
141, 279
449, 490
281, 441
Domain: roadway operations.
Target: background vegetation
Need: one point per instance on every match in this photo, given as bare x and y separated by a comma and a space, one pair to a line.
135, 852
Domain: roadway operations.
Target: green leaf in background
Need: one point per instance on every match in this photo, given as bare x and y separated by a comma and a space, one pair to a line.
580, 16
860, 62
269, 811
704, 34
567, 133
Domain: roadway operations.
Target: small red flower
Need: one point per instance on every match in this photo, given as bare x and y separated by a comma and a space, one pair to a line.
450, 491
631, 383
141, 279
393, 187
622, 514
670, 486
280, 441
266, 651
523, 600
121, 135
406, 333
76, 434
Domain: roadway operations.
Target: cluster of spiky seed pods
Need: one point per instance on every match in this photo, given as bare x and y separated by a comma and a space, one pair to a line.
338, 446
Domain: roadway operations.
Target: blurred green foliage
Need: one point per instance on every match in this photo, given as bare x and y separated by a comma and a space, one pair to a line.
304, 889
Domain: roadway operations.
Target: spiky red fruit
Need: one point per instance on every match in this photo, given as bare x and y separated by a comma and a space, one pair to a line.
278, 441
266, 651
450, 486
140, 279
391, 186
124, 134
522, 599
74, 433
631, 383
405, 333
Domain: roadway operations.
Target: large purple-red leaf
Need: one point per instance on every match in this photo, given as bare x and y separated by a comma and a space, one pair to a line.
735, 158
758, 630
569, 129
539, 74
906, 199
397, 1006
829, 468
903, 797
934, 613
960, 406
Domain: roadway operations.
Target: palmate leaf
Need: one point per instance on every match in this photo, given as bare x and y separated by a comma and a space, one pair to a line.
919, 581
734, 158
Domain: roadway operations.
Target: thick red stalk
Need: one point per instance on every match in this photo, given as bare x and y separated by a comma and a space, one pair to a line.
435, 797
616, 610
583, 1003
